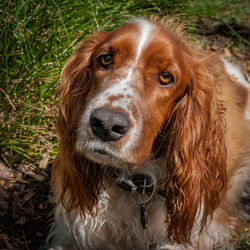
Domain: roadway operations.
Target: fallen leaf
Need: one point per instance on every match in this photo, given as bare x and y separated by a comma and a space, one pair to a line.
227, 52
27, 197
39, 234
21, 220
5, 172
4, 237
234, 78
215, 47
44, 162
40, 206
241, 56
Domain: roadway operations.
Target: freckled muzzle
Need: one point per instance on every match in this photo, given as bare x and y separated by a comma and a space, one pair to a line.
108, 125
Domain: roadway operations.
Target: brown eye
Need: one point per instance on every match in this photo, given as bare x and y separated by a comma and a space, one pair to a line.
105, 60
166, 79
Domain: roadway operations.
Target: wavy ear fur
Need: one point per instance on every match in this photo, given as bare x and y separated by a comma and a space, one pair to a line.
77, 180
195, 155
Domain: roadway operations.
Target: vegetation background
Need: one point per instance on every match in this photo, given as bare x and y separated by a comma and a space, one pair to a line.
36, 38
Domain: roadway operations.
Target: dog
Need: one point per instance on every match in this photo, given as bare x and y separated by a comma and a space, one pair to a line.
154, 144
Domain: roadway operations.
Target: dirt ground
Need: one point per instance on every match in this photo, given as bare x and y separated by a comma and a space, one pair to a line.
25, 208
25, 204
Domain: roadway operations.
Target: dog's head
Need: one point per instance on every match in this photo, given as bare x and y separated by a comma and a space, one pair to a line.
136, 75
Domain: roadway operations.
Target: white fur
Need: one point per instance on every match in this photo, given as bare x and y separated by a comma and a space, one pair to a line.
235, 72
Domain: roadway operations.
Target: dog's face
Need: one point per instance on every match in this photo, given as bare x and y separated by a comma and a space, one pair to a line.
138, 75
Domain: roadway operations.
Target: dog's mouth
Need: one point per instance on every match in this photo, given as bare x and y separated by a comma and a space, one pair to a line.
104, 153
104, 157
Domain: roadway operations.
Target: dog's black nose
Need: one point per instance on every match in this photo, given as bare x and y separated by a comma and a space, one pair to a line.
108, 125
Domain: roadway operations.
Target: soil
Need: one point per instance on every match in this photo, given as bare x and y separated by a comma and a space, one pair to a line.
25, 208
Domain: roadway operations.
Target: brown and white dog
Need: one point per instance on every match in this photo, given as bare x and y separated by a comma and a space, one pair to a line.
154, 144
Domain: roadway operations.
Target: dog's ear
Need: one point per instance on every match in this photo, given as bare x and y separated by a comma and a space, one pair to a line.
77, 181
195, 155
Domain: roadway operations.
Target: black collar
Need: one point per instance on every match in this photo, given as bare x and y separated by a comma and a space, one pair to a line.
138, 183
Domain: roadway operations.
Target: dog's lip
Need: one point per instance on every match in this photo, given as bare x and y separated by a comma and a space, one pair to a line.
116, 161
104, 155
102, 152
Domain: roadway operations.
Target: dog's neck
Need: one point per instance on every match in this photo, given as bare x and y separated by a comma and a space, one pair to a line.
140, 182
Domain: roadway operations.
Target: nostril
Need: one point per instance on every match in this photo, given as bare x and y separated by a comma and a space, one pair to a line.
119, 129
96, 124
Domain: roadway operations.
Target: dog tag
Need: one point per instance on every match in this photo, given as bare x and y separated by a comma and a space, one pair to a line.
143, 216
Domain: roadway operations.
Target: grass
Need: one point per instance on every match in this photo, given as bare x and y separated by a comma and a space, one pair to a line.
231, 11
36, 39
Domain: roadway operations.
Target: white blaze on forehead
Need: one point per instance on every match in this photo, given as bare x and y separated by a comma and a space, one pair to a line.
145, 28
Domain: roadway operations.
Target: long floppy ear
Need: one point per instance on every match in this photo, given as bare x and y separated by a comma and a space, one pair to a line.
76, 180
195, 155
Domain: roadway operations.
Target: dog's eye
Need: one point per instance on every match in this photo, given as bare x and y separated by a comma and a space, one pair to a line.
166, 79
105, 60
